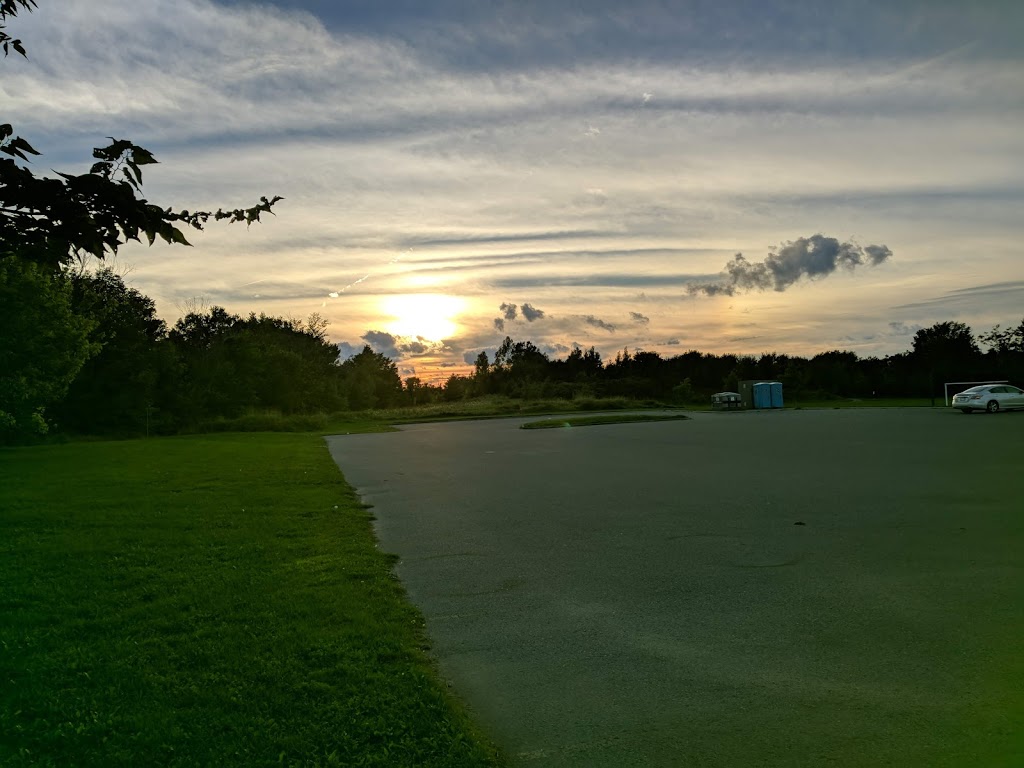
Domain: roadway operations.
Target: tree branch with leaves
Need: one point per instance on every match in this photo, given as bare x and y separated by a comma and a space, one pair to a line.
48, 222
11, 8
55, 220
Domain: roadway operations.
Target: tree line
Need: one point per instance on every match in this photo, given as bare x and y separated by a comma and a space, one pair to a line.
946, 351
82, 352
85, 353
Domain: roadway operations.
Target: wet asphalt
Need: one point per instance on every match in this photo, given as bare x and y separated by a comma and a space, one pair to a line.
785, 588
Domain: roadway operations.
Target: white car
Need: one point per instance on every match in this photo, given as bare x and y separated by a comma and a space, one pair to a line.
989, 397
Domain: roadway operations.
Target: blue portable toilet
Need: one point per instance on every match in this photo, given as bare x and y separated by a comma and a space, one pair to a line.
776, 390
763, 395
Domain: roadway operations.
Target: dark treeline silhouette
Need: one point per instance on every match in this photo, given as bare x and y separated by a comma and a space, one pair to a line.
88, 354
141, 375
96, 359
945, 352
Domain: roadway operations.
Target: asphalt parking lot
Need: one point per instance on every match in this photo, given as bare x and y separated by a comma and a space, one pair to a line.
788, 588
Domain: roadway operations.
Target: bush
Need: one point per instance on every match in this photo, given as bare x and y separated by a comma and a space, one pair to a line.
267, 421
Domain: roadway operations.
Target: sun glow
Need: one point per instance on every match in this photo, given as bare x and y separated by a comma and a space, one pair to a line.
428, 316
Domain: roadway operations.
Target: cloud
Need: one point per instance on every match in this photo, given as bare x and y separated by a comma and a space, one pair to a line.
531, 313
383, 343
1004, 295
510, 237
595, 280
396, 347
902, 329
877, 254
813, 257
509, 312
469, 356
636, 317
672, 342
555, 349
346, 350
598, 323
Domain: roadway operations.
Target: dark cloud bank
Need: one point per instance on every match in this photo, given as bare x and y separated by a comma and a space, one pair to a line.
812, 257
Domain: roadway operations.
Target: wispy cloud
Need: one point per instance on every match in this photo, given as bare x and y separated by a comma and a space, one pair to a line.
1006, 294
903, 329
597, 322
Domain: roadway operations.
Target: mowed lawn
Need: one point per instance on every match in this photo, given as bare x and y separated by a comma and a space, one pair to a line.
210, 600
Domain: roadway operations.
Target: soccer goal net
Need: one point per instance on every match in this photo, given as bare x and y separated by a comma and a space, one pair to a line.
965, 384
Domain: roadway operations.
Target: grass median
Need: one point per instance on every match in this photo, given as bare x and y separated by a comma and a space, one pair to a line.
208, 600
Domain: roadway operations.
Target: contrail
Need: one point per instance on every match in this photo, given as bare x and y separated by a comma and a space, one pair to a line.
336, 294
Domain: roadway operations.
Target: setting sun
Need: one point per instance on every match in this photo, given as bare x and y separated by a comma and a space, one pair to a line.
425, 315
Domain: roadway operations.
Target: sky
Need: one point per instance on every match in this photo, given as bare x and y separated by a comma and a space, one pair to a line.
733, 177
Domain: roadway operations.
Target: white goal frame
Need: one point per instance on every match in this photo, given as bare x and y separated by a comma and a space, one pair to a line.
949, 384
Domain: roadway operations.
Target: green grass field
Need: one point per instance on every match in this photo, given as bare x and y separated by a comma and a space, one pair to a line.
210, 600
490, 407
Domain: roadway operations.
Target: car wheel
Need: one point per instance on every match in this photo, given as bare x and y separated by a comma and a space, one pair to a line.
992, 407
965, 410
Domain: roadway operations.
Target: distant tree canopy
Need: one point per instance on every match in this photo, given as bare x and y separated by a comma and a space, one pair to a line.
43, 344
946, 351
1005, 341
371, 380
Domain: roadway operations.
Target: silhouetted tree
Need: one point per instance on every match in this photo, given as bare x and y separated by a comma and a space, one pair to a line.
371, 380
1005, 340
835, 372
43, 345
482, 374
457, 388
944, 352
118, 388
230, 364
520, 368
